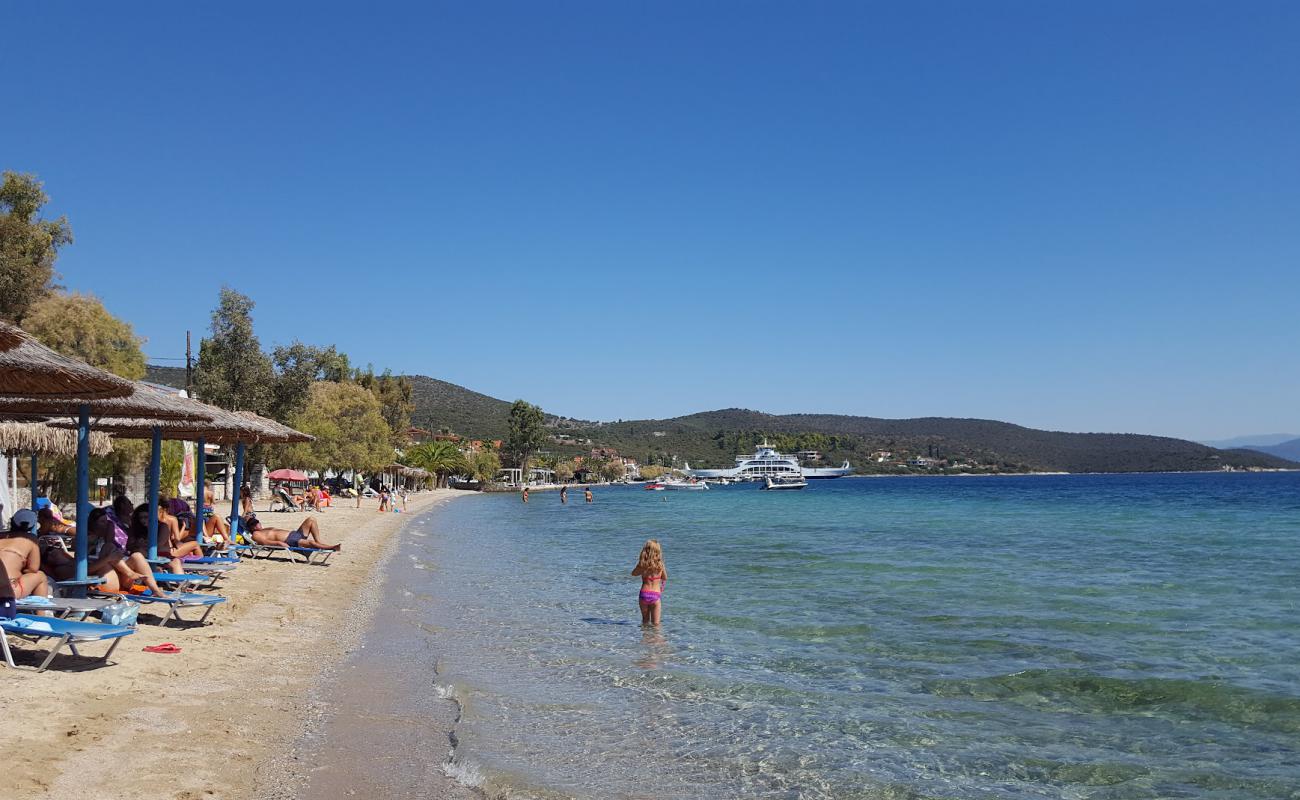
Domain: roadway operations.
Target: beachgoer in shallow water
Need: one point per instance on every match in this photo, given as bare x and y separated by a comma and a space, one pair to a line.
21, 558
564, 493
654, 577
587, 494
525, 494
306, 536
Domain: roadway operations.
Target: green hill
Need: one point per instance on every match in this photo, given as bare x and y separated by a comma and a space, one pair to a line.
714, 438
439, 404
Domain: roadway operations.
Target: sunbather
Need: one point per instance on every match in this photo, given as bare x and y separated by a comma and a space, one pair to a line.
22, 558
307, 536
169, 545
215, 529
107, 560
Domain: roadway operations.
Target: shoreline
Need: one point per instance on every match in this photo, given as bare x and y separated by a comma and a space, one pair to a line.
219, 718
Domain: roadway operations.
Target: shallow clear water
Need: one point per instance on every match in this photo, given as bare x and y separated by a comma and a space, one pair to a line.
1024, 637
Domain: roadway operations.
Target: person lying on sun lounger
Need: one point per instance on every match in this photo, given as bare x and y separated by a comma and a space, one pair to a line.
307, 536
22, 558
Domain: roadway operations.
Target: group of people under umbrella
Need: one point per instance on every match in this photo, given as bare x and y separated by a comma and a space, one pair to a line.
50, 393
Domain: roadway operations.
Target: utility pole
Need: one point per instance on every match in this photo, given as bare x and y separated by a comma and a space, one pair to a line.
189, 368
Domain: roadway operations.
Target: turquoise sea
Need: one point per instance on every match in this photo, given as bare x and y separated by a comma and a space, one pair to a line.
1123, 636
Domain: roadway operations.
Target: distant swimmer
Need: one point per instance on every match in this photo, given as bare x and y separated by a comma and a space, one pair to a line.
588, 494
564, 493
525, 494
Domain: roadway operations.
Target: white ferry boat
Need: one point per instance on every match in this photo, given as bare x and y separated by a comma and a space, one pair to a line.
768, 463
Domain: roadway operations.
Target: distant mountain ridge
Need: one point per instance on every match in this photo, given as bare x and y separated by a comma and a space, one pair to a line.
1255, 440
710, 437
1289, 450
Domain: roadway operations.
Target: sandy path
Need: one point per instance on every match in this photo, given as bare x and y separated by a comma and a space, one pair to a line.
221, 718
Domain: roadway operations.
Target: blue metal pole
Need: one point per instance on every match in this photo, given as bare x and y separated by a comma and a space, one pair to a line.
82, 542
239, 485
155, 478
33, 483
200, 464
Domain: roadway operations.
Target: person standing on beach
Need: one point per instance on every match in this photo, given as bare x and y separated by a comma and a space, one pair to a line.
525, 494
654, 577
564, 493
587, 493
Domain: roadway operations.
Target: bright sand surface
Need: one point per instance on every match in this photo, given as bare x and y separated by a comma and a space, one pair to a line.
225, 717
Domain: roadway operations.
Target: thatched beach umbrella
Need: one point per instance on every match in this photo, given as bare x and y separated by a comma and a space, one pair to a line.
30, 369
11, 337
38, 438
238, 428
144, 400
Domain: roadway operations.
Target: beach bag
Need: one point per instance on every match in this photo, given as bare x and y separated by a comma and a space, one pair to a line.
8, 608
121, 613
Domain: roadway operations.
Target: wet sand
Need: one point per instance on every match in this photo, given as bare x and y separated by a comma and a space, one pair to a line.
386, 732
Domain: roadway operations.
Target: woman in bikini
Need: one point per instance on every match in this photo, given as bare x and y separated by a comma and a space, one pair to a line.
21, 558
169, 544
654, 576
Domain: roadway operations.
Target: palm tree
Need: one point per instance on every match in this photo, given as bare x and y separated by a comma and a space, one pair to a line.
438, 457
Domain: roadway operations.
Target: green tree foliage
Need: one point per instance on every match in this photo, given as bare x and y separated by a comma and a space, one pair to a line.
233, 372
441, 458
29, 245
483, 466
394, 393
526, 433
297, 367
350, 431
652, 471
564, 471
78, 325
612, 470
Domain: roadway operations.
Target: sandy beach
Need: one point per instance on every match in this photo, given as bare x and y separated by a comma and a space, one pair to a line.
226, 716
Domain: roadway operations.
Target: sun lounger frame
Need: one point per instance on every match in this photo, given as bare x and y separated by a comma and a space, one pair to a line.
69, 639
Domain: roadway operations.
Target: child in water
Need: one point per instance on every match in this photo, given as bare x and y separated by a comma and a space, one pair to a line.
650, 566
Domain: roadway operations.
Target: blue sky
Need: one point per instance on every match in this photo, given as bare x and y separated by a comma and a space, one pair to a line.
1072, 216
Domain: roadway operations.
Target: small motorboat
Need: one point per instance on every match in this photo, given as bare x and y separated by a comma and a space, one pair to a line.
654, 486
772, 484
687, 486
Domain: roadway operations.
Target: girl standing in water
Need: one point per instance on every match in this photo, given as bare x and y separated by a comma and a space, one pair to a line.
650, 567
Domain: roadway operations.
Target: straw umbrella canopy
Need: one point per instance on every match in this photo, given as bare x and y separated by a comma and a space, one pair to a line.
37, 438
275, 432
29, 369
11, 337
144, 400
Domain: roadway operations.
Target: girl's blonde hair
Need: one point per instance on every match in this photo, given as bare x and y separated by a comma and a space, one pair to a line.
651, 561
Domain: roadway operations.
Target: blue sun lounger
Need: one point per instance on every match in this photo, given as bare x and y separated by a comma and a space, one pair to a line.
309, 555
63, 607
69, 634
175, 602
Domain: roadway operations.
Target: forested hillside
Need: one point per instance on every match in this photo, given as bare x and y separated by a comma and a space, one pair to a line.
713, 438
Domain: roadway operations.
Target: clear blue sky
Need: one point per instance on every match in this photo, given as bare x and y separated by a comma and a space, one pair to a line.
1075, 216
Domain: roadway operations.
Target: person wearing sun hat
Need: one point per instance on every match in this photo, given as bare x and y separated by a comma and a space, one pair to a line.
21, 559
